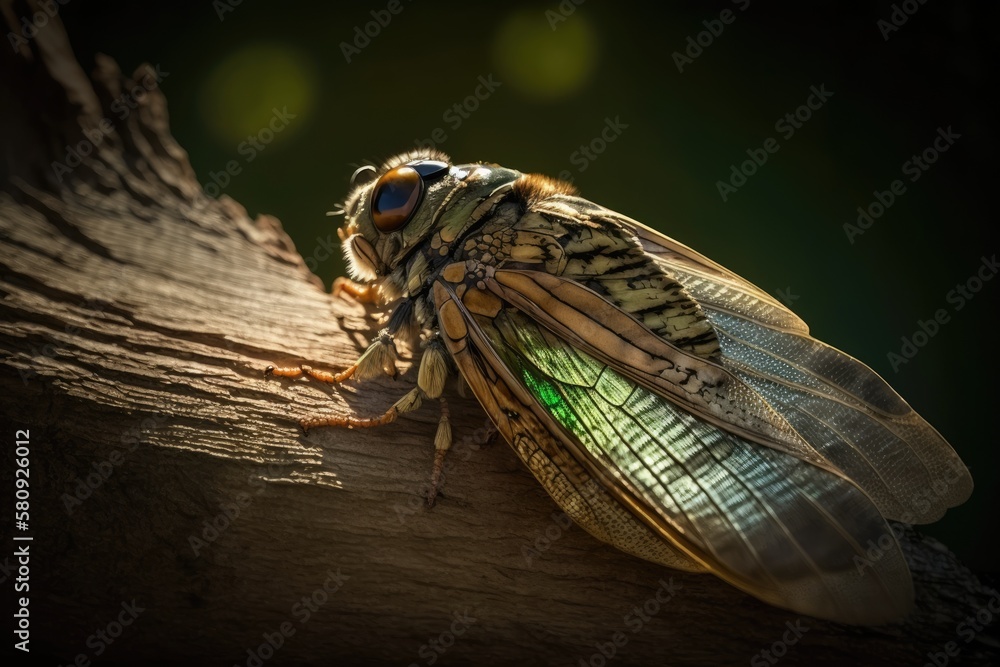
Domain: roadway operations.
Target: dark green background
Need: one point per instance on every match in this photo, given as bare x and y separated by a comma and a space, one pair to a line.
782, 230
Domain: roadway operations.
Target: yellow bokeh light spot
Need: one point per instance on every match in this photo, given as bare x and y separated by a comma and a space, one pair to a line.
240, 95
543, 62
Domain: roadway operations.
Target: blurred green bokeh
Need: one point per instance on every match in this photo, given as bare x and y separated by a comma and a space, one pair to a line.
238, 94
363, 83
541, 62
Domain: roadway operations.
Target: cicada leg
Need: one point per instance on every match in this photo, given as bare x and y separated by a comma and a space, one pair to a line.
322, 376
442, 443
361, 292
410, 401
380, 358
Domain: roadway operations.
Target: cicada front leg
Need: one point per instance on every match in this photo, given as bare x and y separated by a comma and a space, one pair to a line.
380, 358
381, 353
309, 371
360, 291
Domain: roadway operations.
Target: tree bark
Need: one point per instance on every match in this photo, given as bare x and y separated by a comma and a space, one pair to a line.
168, 474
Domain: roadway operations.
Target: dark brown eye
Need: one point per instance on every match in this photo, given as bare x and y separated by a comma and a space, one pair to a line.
395, 198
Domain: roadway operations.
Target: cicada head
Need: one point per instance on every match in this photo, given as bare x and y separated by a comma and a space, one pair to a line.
415, 200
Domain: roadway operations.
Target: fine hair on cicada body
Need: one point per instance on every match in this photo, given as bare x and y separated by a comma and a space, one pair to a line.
668, 406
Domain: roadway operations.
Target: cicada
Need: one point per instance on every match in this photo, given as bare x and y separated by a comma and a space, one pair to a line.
669, 407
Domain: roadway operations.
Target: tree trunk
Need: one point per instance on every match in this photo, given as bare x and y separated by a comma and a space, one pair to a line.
172, 492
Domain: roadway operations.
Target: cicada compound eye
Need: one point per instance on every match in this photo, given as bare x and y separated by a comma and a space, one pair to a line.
395, 198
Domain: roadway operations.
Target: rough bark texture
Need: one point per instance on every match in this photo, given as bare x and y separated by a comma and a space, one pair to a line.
136, 318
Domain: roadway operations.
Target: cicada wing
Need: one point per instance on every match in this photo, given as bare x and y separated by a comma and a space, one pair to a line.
709, 282
790, 533
840, 406
851, 416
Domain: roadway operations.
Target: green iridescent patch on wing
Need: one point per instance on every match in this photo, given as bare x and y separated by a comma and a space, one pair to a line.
550, 397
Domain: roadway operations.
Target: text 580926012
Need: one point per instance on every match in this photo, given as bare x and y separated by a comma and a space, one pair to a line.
21, 554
